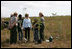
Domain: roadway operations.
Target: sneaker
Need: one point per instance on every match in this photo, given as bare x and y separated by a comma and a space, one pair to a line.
25, 40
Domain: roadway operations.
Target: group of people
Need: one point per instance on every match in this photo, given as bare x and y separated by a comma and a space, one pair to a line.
17, 25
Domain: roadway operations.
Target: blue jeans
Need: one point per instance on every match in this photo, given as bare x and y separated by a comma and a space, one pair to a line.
36, 35
20, 35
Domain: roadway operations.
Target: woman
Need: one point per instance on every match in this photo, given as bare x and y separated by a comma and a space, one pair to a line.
20, 21
27, 26
15, 28
41, 26
12, 27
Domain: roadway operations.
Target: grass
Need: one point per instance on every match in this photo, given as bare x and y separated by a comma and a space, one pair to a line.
58, 26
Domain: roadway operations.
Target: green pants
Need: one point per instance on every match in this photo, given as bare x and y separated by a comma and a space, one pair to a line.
13, 35
42, 32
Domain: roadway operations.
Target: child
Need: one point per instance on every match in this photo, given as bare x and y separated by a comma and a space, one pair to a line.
35, 29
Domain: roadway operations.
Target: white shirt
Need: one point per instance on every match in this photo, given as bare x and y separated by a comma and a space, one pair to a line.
27, 23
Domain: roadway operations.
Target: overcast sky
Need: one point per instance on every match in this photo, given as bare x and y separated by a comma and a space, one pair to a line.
34, 7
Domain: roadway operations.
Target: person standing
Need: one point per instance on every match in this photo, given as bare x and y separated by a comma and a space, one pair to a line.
35, 30
27, 26
15, 28
20, 21
42, 26
12, 27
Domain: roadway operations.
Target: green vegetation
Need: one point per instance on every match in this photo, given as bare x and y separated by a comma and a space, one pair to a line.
58, 26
